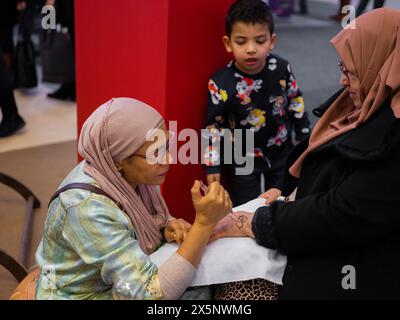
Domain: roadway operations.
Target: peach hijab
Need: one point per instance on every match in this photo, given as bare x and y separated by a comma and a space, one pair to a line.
371, 51
114, 131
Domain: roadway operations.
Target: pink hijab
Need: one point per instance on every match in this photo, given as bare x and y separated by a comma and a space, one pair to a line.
372, 52
113, 132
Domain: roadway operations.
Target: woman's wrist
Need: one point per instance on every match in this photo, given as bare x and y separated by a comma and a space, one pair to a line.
192, 247
204, 227
249, 226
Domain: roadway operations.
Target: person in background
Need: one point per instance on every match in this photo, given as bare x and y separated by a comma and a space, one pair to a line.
363, 4
340, 15
65, 16
8, 19
303, 6
11, 121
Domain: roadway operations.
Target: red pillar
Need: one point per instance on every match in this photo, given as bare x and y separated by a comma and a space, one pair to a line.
158, 51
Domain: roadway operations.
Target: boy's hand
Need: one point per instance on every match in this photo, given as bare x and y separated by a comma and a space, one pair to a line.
215, 177
271, 195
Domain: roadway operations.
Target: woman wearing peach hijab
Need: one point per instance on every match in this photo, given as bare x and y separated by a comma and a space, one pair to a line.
342, 233
96, 243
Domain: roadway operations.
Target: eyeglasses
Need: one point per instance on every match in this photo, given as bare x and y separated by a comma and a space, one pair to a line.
348, 74
342, 68
158, 154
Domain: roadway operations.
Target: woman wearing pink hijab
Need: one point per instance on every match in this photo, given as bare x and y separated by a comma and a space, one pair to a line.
108, 217
342, 233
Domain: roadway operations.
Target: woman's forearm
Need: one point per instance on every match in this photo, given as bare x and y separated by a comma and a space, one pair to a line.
176, 274
209, 210
193, 246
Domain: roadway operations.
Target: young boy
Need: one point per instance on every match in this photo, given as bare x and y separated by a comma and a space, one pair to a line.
256, 91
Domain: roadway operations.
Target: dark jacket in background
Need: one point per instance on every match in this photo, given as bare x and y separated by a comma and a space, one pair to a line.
8, 18
65, 14
347, 212
8, 13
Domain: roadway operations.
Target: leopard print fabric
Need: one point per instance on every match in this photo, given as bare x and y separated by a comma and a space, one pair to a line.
257, 289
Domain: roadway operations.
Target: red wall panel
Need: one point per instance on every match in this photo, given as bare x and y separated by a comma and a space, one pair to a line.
120, 52
195, 51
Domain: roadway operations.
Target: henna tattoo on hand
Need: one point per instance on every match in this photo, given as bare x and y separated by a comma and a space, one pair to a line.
239, 221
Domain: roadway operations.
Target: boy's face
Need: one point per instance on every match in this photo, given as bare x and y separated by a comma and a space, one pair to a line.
250, 44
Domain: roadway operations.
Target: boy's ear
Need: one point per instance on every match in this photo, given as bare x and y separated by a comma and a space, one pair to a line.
227, 43
273, 41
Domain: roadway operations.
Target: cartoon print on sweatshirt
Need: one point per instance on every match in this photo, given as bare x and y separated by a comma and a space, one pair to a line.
281, 137
211, 156
249, 108
278, 105
293, 89
297, 106
258, 153
212, 134
245, 87
272, 64
255, 118
216, 93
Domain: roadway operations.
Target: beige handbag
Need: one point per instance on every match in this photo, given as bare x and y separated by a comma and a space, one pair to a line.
26, 290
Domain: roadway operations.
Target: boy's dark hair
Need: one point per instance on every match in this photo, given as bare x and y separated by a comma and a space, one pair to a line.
249, 11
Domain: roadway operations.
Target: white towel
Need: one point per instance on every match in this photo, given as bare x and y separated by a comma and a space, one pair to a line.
232, 259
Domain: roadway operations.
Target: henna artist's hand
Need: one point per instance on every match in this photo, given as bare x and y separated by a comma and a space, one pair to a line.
213, 206
235, 224
177, 230
210, 209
